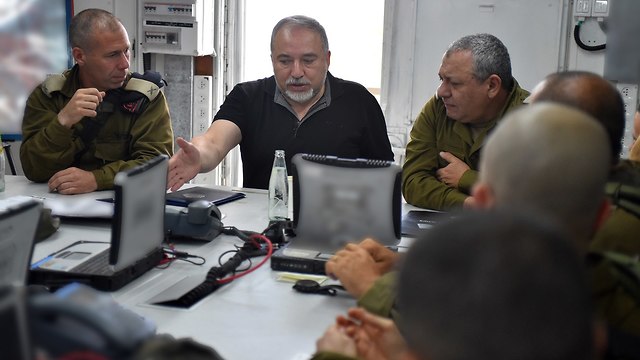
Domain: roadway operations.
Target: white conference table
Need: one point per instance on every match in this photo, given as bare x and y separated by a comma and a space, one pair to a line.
254, 317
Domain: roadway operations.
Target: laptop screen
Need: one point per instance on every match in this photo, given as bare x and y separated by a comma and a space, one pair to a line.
338, 200
18, 222
139, 212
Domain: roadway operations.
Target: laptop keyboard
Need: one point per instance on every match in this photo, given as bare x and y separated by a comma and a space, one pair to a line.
97, 265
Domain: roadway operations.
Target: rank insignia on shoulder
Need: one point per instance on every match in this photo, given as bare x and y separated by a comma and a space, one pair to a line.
148, 84
53, 83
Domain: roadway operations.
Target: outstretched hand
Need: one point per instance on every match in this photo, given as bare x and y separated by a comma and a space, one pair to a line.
184, 165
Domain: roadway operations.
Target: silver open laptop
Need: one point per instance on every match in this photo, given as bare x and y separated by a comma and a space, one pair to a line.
18, 222
337, 201
19, 218
137, 234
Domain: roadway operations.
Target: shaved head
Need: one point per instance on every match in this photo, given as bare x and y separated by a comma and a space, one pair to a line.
550, 159
590, 93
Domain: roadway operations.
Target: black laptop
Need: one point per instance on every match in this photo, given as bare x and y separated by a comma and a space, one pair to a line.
19, 218
137, 233
337, 201
18, 222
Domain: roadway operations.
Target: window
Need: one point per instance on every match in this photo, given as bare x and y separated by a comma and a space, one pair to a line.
35, 31
354, 29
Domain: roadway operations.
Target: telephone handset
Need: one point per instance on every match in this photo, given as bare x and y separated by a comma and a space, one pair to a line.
77, 317
200, 221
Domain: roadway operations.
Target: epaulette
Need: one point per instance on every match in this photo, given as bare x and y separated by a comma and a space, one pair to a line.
145, 87
53, 83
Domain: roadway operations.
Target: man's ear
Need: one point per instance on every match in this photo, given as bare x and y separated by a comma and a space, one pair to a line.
494, 83
483, 196
603, 213
78, 55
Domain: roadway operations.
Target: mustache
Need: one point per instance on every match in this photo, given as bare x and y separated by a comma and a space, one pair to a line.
294, 81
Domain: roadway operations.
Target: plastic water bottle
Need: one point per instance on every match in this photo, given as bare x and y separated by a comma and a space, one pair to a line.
278, 188
2, 169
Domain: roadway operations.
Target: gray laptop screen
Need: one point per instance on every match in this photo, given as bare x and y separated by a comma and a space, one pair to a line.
18, 221
139, 213
337, 201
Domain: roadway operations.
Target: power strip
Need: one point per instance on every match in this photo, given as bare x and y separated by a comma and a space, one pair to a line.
202, 104
629, 94
202, 118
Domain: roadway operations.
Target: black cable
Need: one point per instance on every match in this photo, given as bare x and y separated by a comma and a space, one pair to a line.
234, 252
211, 282
214, 279
581, 45
171, 255
241, 234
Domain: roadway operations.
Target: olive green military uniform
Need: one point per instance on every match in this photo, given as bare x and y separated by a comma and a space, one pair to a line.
381, 297
621, 231
615, 288
434, 132
127, 139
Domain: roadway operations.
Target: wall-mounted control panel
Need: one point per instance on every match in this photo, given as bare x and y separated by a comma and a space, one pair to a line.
180, 27
598, 9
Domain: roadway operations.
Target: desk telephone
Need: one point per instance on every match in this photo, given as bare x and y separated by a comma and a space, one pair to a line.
201, 221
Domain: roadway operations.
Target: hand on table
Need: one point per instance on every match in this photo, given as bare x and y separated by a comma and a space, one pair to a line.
73, 181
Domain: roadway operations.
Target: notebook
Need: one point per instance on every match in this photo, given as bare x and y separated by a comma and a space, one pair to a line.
19, 218
186, 196
137, 233
337, 201
416, 222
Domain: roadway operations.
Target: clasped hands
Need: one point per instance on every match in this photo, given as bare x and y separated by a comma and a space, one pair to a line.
363, 335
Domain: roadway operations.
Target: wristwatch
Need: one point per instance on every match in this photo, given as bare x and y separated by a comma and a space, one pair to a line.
312, 287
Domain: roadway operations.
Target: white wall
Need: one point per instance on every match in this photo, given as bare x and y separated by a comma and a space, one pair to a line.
537, 33
126, 11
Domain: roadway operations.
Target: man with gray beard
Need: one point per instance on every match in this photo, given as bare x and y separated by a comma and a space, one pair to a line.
301, 109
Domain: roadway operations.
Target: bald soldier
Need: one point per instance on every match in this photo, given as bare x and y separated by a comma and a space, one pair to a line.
598, 97
552, 160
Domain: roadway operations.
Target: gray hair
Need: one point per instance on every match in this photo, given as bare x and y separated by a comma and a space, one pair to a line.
84, 25
489, 54
301, 21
